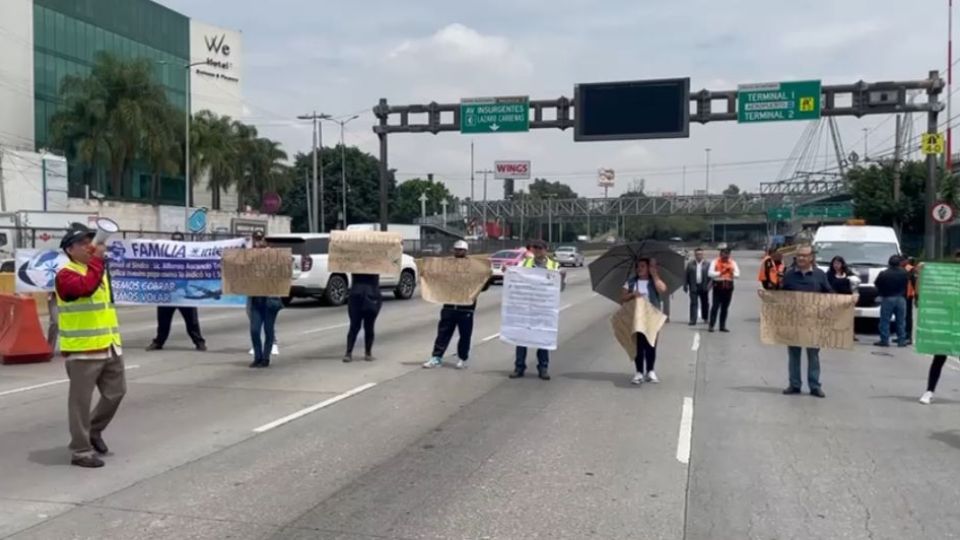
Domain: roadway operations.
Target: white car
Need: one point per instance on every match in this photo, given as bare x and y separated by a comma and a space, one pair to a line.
568, 256
311, 279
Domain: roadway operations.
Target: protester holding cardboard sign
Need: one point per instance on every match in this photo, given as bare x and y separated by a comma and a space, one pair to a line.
365, 252
262, 311
458, 280
805, 277
363, 307
646, 284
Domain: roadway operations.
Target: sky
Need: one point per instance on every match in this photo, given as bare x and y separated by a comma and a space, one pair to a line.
341, 58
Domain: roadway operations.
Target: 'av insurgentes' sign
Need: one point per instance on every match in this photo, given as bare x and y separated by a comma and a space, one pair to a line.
514, 170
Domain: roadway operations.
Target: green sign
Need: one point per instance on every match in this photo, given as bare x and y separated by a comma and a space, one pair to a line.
817, 211
938, 322
773, 102
495, 115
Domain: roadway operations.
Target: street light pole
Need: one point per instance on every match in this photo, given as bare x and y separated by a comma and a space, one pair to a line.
343, 164
317, 193
708, 171
186, 137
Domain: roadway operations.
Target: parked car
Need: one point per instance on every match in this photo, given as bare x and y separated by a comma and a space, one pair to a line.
311, 279
501, 260
568, 256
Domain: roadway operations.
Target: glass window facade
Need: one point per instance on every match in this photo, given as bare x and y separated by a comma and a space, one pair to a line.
67, 36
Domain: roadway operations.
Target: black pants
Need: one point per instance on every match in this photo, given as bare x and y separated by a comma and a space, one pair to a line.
362, 314
460, 320
702, 297
190, 318
646, 353
722, 295
935, 368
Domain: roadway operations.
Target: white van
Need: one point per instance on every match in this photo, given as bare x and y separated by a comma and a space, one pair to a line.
867, 250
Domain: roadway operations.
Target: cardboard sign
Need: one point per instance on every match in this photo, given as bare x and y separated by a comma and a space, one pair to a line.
530, 311
257, 272
636, 316
365, 252
805, 319
453, 281
938, 319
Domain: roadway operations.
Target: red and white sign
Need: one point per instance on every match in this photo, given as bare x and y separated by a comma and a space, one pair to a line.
943, 212
515, 170
606, 177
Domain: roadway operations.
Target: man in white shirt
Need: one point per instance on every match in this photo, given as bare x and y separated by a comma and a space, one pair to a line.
723, 271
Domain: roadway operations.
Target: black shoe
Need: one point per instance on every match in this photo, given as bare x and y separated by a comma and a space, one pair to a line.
369, 358
901, 345
90, 462
99, 446
347, 358
691, 323
881, 344
818, 393
256, 364
543, 375
516, 375
790, 391
154, 346
710, 329
725, 330
202, 347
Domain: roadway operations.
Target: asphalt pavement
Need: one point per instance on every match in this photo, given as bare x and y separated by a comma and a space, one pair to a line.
204, 447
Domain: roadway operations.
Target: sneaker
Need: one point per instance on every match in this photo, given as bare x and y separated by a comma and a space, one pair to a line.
637, 379
433, 362
881, 344
926, 398
154, 346
790, 391
275, 351
347, 358
250, 352
462, 364
652, 377
369, 358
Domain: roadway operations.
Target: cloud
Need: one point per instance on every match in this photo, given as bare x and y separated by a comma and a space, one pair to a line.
461, 46
830, 36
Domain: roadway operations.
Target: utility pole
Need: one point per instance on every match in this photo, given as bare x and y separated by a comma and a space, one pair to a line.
311, 224
343, 167
443, 204
472, 197
317, 143
708, 171
866, 137
683, 181
897, 156
484, 172
929, 227
423, 206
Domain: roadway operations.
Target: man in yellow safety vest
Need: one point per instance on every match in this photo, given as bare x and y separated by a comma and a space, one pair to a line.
90, 341
538, 260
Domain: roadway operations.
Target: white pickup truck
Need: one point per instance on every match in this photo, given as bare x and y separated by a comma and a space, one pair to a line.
311, 279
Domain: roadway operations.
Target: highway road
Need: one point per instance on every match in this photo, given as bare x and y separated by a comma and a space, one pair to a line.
204, 447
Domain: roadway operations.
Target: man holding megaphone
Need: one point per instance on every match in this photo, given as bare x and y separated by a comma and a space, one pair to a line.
90, 341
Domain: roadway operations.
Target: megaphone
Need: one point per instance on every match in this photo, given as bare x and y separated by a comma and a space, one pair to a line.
105, 228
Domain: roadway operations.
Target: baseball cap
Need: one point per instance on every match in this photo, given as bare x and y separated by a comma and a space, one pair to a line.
76, 233
460, 244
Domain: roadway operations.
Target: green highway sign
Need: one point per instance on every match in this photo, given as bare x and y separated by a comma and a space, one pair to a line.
938, 322
773, 102
495, 115
822, 211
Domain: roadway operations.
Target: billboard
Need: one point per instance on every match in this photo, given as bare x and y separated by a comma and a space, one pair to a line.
625, 110
516, 170
605, 177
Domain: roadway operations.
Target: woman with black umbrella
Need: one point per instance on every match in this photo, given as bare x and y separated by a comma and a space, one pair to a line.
645, 284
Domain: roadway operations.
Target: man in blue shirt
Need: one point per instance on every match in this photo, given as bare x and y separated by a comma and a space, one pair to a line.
805, 277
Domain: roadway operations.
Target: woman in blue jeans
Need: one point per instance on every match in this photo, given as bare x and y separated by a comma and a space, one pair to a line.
262, 311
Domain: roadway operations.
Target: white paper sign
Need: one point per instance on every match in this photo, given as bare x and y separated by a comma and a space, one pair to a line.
530, 312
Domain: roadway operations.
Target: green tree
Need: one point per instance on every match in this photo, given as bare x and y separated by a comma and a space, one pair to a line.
214, 151
541, 188
872, 191
405, 207
260, 167
732, 189
110, 118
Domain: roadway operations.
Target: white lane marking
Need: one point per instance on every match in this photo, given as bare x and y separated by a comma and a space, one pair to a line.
46, 384
568, 306
490, 338
686, 431
696, 342
313, 408
325, 328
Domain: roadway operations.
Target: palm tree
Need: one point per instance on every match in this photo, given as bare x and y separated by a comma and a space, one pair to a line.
162, 148
215, 149
263, 169
105, 116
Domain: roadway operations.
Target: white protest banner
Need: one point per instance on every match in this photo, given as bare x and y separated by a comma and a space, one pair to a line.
530, 310
36, 269
170, 273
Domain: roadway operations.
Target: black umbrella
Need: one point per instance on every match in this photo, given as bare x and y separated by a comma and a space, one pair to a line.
612, 269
